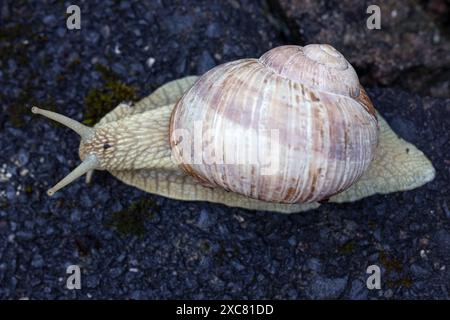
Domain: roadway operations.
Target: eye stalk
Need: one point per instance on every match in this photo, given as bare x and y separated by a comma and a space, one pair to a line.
89, 163
83, 131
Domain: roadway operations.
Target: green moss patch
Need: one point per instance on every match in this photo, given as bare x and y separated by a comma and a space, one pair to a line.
131, 220
347, 248
14, 44
100, 101
394, 266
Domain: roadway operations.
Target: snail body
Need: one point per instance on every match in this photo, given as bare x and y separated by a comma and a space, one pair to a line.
327, 136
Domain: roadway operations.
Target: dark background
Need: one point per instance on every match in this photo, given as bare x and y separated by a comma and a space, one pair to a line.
130, 244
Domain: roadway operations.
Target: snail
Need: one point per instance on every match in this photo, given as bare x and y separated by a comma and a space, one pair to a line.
279, 133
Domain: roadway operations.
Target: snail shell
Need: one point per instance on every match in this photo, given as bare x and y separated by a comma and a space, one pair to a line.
297, 116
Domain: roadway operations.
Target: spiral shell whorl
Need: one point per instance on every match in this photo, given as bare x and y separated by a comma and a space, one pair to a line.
326, 55
324, 139
317, 66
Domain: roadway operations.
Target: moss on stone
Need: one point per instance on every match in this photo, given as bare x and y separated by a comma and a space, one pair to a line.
395, 275
16, 114
100, 101
10, 47
14, 44
21, 107
75, 63
348, 247
131, 220
405, 282
4, 204
221, 254
28, 189
205, 246
390, 263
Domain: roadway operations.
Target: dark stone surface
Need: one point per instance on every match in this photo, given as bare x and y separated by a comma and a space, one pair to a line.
411, 50
187, 249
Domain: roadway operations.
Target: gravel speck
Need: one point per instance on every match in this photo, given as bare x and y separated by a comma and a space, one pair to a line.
326, 288
206, 62
446, 209
204, 220
92, 281
314, 264
150, 62
38, 261
49, 20
358, 290
213, 31
418, 271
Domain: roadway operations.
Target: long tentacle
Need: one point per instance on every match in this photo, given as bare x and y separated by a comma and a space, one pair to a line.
84, 131
89, 163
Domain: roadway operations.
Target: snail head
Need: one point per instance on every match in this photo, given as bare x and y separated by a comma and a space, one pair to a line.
91, 154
